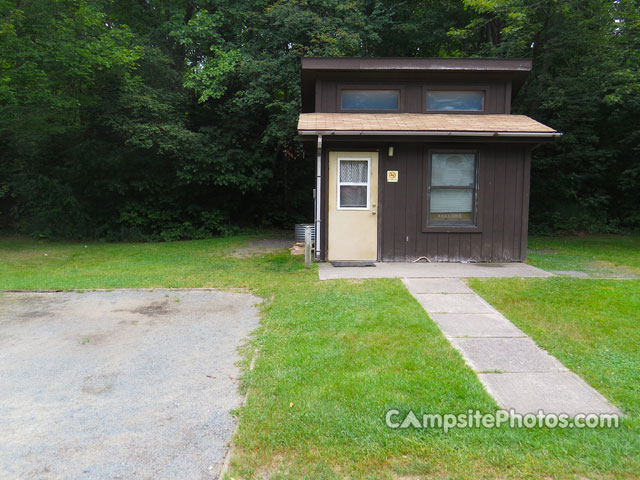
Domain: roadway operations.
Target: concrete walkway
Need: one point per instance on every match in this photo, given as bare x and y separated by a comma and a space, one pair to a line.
326, 271
514, 370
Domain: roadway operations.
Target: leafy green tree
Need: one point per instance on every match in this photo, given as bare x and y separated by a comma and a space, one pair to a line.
60, 59
163, 119
585, 83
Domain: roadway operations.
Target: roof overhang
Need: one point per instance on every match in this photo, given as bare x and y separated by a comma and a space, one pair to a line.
423, 125
434, 133
416, 64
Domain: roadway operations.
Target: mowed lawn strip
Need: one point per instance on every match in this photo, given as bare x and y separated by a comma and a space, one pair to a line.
333, 358
590, 325
598, 255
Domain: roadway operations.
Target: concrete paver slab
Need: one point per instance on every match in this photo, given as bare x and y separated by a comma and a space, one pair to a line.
518, 373
119, 384
326, 271
453, 303
476, 325
506, 355
551, 392
436, 285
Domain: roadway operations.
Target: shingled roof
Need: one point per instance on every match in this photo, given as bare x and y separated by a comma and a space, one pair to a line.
422, 124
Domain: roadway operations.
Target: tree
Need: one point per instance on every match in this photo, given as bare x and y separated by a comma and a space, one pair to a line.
585, 83
168, 119
61, 60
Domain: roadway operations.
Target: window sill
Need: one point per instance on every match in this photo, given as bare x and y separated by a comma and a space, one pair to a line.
452, 229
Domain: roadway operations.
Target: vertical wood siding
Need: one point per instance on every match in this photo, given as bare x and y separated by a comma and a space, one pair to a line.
497, 98
503, 176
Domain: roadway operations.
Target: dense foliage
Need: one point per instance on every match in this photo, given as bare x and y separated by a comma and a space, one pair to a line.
146, 119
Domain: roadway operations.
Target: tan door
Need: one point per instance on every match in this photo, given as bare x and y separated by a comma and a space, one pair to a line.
353, 206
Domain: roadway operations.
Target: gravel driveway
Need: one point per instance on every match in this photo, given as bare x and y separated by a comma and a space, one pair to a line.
119, 384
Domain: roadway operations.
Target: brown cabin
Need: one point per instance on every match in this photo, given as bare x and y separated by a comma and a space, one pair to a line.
418, 157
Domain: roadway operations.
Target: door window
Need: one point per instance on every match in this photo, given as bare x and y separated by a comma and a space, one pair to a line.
353, 183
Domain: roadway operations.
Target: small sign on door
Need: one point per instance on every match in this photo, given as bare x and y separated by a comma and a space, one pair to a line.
392, 175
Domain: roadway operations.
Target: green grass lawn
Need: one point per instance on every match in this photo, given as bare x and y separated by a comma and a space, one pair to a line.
598, 255
592, 326
334, 356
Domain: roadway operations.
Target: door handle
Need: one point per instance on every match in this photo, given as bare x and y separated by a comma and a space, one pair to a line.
373, 212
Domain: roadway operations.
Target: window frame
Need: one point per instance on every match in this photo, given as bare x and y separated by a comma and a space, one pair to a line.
369, 86
475, 226
455, 88
339, 184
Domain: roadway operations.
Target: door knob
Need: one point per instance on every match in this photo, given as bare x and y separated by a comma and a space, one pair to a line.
373, 212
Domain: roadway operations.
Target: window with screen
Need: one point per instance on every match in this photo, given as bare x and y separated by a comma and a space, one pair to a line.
455, 101
370, 100
353, 183
451, 199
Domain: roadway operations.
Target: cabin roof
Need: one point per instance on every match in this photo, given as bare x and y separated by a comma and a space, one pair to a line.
422, 124
416, 64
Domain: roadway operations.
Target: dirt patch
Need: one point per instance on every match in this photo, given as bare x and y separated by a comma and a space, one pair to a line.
153, 309
600, 269
542, 251
609, 270
262, 246
98, 384
93, 339
31, 308
571, 273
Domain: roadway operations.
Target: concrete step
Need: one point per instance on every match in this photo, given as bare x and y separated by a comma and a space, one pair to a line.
506, 355
436, 285
551, 392
476, 325
453, 303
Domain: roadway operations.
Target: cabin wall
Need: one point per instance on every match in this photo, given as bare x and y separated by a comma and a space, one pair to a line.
497, 98
502, 205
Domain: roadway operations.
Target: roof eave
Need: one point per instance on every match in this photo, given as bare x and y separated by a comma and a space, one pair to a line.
425, 64
430, 133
